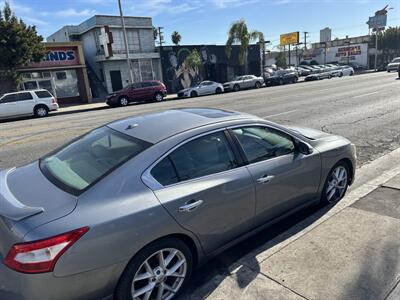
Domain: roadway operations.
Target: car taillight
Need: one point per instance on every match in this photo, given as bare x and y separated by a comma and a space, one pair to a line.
41, 256
54, 100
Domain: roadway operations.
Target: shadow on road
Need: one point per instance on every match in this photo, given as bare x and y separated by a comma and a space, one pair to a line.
208, 277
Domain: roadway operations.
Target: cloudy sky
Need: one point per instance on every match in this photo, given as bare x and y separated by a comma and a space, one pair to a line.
207, 21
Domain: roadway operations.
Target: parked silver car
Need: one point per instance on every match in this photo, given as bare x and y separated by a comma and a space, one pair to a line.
203, 88
393, 65
131, 208
244, 82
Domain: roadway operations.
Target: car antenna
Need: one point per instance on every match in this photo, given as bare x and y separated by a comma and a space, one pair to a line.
131, 126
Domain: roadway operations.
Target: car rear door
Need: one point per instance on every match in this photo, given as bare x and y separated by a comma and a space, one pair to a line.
26, 103
148, 91
206, 190
284, 178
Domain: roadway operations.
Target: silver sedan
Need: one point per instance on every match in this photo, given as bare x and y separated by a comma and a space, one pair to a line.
203, 88
244, 82
131, 208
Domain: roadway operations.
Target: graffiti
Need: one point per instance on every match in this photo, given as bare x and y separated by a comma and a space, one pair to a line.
215, 65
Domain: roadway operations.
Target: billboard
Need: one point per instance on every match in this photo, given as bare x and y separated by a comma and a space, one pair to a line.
289, 38
378, 21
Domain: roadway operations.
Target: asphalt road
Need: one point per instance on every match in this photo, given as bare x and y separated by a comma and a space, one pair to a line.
363, 108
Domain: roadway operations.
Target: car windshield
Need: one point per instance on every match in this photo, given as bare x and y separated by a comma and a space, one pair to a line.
396, 60
238, 78
86, 160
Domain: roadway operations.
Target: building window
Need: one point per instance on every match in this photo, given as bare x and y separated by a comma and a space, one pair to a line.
61, 75
67, 86
146, 69
30, 85
118, 45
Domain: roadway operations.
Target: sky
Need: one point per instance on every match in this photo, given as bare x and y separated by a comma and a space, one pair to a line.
208, 21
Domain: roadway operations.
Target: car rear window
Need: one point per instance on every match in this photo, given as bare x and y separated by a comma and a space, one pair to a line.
43, 94
80, 164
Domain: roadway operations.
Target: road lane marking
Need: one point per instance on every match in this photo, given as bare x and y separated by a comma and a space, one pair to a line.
282, 113
359, 96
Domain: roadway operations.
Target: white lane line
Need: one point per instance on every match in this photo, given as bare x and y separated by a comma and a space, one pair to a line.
282, 113
359, 96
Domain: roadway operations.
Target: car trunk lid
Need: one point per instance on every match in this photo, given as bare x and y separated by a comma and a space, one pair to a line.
28, 200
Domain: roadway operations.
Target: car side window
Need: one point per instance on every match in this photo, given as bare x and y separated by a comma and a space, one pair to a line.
24, 96
261, 143
147, 84
164, 172
202, 156
9, 98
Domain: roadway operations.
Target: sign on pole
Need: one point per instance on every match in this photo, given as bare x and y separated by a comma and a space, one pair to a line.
289, 38
377, 21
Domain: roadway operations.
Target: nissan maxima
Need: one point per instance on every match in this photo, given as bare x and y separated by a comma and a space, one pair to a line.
130, 209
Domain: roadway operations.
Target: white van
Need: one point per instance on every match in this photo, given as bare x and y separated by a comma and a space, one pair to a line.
35, 102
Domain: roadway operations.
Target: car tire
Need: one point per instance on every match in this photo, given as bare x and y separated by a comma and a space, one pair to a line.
218, 90
158, 97
341, 74
193, 94
155, 274
295, 80
351, 73
41, 111
335, 182
123, 101
236, 88
257, 85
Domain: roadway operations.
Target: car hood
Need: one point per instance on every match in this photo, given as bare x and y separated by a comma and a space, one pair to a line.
393, 64
310, 133
232, 82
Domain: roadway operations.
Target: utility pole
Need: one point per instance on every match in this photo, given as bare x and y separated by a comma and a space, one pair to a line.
128, 61
289, 55
376, 50
160, 36
305, 39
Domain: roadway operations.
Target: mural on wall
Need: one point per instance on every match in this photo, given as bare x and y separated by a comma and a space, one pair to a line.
215, 65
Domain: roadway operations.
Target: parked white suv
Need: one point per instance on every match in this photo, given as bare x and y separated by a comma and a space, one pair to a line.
35, 102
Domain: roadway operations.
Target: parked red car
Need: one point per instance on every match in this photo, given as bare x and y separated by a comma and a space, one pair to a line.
146, 91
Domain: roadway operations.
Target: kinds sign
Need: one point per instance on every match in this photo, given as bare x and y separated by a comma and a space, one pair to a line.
289, 38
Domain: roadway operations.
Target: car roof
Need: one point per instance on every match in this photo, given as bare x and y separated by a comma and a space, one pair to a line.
24, 91
157, 126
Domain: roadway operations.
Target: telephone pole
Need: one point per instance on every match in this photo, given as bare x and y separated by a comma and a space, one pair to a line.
160, 36
128, 61
305, 39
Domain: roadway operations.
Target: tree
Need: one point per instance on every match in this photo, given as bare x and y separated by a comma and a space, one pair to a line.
280, 60
176, 38
239, 34
389, 43
19, 44
193, 60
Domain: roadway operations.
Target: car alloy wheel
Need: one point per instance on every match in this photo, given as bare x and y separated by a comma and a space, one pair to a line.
218, 91
41, 112
258, 85
336, 184
160, 276
123, 101
236, 88
158, 97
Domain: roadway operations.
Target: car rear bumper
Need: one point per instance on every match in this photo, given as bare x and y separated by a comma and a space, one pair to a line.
54, 106
96, 284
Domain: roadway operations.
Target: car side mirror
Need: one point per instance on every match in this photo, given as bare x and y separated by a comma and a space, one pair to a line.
303, 148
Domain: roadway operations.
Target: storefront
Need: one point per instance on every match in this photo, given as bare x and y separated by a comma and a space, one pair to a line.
62, 72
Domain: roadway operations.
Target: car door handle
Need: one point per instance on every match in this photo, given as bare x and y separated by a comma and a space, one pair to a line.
265, 179
190, 205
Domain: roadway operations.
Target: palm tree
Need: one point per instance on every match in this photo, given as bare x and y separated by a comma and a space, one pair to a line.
176, 38
239, 34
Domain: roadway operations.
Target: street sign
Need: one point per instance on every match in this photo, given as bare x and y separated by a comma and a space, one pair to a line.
377, 21
289, 38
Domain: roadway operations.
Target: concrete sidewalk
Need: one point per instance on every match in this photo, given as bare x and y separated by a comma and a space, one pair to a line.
92, 106
348, 251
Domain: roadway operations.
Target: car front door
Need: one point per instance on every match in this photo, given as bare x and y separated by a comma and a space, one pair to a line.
205, 189
9, 106
284, 177
135, 92
207, 88
248, 82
